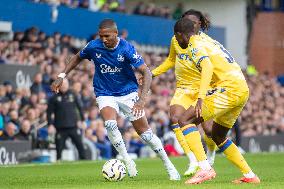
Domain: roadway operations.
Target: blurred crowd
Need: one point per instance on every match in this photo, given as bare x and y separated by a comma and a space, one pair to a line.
23, 111
264, 112
93, 5
141, 8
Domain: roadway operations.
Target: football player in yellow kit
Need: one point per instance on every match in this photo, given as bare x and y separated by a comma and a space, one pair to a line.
223, 103
187, 81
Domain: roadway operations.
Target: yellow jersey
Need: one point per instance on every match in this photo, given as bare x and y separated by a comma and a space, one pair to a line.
187, 75
220, 68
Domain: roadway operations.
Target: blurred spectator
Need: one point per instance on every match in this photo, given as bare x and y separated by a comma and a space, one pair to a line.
139, 8
9, 132
280, 78
102, 143
124, 34
96, 133
1, 121
37, 84
178, 11
14, 118
132, 141
10, 94
3, 97
92, 115
25, 131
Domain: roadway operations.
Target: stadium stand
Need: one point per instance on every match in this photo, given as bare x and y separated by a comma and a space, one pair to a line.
141, 8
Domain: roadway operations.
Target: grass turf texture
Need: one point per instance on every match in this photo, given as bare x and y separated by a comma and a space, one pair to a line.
87, 174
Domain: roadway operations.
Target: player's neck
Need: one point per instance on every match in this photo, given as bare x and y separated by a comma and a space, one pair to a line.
116, 44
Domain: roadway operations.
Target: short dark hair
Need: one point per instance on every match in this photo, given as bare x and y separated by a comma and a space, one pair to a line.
184, 25
205, 23
107, 23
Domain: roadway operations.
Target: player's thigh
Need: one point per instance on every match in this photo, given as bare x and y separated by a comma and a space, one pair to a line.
175, 112
108, 107
216, 103
229, 118
184, 98
126, 103
207, 127
189, 117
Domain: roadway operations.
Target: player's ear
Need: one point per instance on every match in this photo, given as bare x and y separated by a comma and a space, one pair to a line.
115, 33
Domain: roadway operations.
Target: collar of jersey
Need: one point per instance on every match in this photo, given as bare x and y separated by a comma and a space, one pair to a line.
118, 40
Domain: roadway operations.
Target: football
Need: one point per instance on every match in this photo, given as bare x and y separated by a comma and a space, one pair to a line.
114, 170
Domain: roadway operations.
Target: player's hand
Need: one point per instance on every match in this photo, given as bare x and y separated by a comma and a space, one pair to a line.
198, 107
55, 86
51, 129
138, 108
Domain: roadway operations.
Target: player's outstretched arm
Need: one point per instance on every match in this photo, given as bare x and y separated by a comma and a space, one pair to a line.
164, 67
71, 64
167, 64
145, 87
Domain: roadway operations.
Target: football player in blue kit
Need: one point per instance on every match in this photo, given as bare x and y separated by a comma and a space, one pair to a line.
116, 87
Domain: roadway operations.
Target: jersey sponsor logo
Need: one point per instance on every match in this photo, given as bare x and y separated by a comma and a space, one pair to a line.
183, 57
108, 69
136, 56
98, 55
120, 58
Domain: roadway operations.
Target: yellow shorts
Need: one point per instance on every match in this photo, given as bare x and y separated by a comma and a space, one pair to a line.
224, 105
184, 97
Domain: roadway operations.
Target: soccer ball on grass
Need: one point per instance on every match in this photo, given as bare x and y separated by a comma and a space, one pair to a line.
114, 170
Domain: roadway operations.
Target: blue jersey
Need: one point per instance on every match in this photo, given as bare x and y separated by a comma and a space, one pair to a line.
114, 74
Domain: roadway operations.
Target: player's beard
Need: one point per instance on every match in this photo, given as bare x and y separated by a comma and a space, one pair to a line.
113, 42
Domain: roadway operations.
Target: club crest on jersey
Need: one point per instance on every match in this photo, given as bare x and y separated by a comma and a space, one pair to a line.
194, 52
108, 69
98, 55
120, 58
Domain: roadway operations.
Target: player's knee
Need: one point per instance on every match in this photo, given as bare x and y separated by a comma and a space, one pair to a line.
111, 125
218, 139
147, 135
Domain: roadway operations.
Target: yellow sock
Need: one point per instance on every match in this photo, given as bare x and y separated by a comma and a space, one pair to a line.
180, 138
210, 143
193, 139
232, 153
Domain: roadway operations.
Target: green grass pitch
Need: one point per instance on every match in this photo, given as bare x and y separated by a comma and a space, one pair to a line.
87, 174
